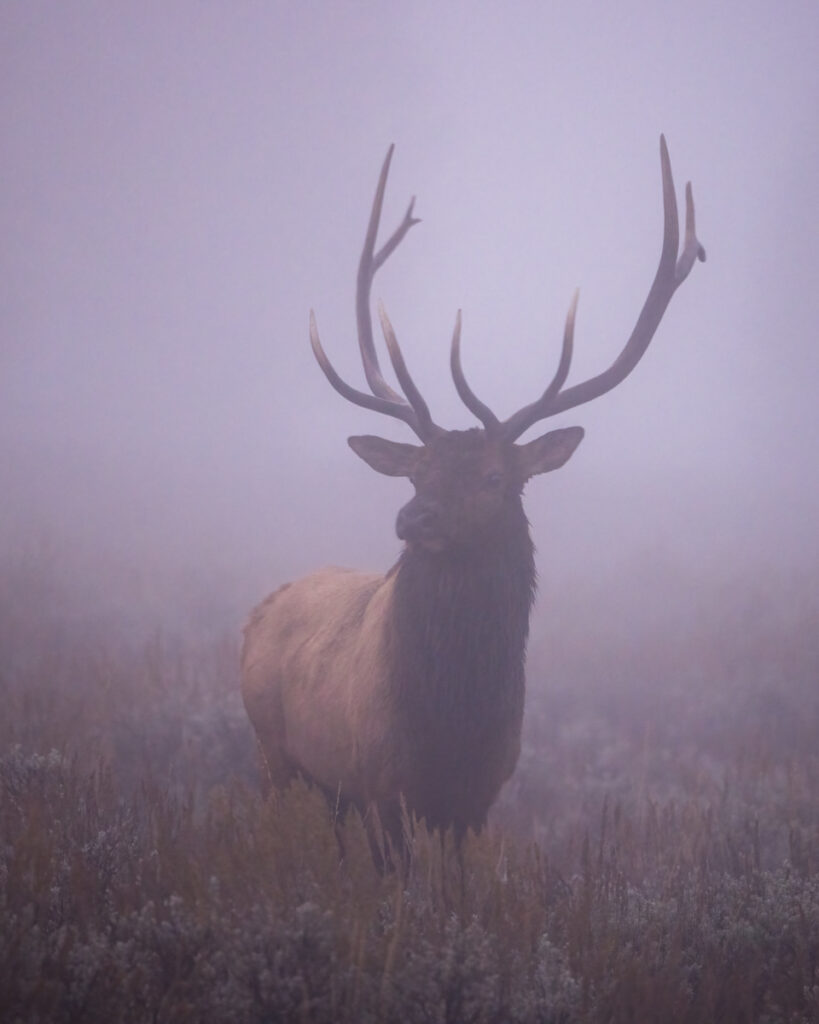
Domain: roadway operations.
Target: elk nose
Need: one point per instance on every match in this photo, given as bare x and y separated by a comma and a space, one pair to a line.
416, 520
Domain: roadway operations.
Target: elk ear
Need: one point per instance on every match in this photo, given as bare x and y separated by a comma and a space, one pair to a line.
388, 457
548, 452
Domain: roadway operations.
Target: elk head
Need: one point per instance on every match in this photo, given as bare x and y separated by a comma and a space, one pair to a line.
466, 479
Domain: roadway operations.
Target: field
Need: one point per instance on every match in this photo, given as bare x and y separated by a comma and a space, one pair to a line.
655, 858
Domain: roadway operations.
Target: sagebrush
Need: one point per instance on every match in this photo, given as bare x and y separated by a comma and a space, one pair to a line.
655, 857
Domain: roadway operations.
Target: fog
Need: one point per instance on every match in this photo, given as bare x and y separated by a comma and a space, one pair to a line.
183, 182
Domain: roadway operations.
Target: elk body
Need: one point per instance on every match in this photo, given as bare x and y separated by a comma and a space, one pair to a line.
409, 686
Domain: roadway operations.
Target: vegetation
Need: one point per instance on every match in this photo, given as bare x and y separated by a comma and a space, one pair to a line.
656, 857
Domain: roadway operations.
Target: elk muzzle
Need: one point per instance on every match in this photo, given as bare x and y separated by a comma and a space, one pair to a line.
418, 522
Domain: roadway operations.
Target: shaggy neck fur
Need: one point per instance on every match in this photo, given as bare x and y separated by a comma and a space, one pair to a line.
461, 620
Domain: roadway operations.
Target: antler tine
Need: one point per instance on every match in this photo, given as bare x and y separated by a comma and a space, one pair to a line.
400, 410
368, 266
408, 385
383, 399
529, 414
566, 352
467, 395
692, 250
671, 272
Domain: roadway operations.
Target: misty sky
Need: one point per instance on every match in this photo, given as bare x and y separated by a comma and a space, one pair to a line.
183, 181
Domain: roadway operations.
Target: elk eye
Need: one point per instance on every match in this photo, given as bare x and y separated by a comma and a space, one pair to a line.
492, 481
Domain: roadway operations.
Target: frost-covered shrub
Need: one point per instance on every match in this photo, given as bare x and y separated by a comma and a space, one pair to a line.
656, 856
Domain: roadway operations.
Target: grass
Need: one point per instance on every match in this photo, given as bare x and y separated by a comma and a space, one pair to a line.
656, 857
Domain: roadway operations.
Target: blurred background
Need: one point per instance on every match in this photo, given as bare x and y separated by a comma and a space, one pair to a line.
183, 182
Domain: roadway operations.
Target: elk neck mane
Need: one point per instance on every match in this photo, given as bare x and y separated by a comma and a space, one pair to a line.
459, 628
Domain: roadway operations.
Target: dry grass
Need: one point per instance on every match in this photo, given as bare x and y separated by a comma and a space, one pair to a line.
655, 859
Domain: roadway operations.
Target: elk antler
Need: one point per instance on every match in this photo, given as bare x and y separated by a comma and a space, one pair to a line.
671, 273
383, 399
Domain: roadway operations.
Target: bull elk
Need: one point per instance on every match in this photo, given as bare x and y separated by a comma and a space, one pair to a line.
409, 686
